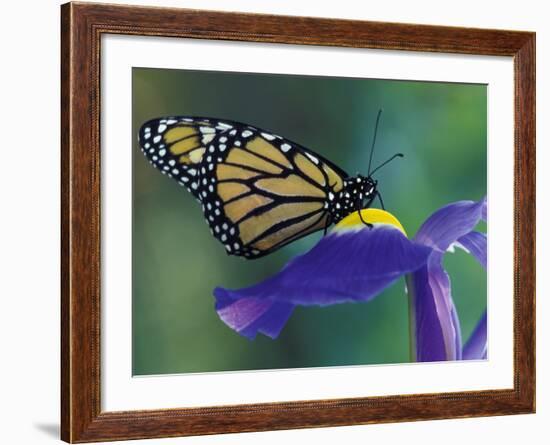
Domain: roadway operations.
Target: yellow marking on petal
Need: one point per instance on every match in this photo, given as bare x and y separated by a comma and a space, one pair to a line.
372, 216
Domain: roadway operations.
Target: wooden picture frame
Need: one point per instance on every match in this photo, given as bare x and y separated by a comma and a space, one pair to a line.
82, 26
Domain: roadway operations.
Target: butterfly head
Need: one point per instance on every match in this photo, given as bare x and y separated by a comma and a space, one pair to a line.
358, 193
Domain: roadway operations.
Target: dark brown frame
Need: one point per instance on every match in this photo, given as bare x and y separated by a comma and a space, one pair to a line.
81, 27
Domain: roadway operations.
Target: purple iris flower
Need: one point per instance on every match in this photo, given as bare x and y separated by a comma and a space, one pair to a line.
355, 263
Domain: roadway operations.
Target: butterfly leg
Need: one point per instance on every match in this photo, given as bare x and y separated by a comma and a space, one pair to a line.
369, 225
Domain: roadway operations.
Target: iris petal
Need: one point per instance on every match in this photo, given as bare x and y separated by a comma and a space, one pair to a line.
451, 222
475, 243
249, 316
437, 326
350, 264
476, 347
353, 265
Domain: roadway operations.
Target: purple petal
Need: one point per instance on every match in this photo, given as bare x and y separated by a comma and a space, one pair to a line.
345, 266
475, 244
476, 347
437, 326
249, 316
451, 222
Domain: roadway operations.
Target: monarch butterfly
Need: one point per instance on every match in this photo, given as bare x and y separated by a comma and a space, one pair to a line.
258, 191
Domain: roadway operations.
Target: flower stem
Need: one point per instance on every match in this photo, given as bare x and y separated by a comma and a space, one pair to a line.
412, 318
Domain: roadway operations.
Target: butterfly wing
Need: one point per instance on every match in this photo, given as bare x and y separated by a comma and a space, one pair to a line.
258, 190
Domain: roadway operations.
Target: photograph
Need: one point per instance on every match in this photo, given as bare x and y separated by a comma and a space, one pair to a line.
286, 221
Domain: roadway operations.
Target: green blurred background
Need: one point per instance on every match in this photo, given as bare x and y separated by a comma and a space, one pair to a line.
440, 127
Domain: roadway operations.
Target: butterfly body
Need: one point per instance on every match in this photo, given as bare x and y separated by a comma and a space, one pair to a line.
258, 191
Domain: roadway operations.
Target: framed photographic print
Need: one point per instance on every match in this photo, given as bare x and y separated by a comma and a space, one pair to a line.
277, 222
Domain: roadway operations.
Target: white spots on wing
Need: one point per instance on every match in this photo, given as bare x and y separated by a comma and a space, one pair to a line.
246, 133
233, 132
187, 119
166, 168
225, 226
207, 138
236, 246
161, 128
162, 152
223, 126
157, 139
223, 139
192, 171
207, 130
211, 149
211, 188
285, 147
268, 136
313, 158
222, 147
146, 135
185, 179
330, 196
147, 145
154, 158
237, 143
172, 162
175, 171
223, 237
171, 121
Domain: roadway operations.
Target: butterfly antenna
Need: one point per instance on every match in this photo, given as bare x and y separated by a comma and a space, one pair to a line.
396, 155
374, 140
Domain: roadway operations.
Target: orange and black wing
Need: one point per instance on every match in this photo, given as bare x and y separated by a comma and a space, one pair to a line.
258, 190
